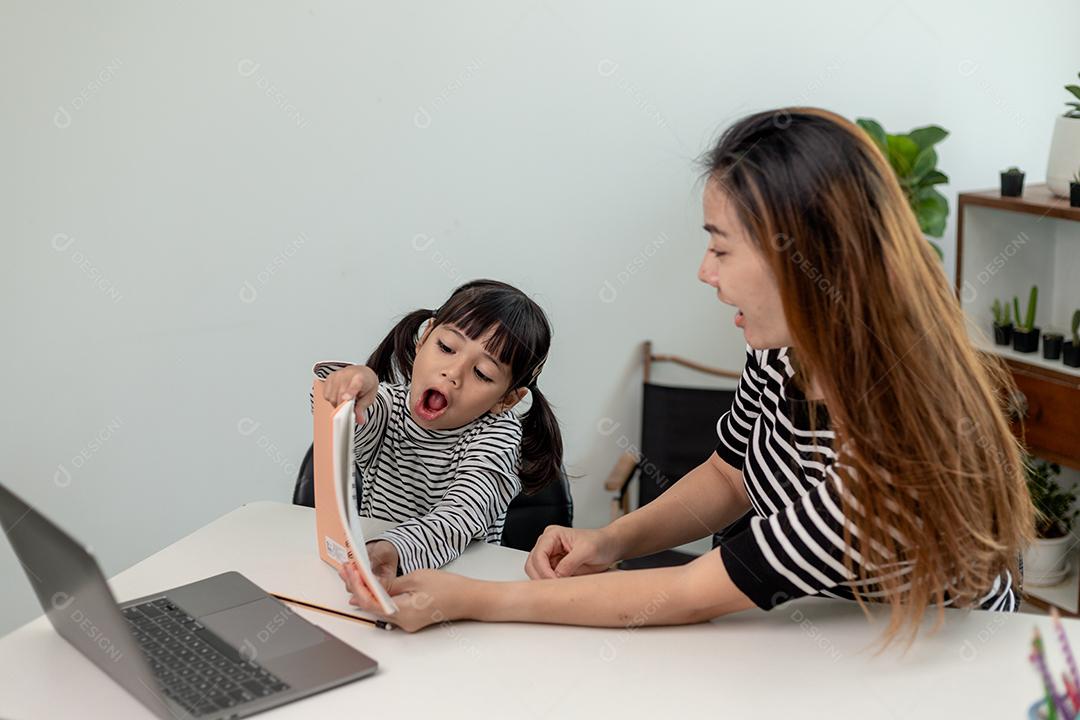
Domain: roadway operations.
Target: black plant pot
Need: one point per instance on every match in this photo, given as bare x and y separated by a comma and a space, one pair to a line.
1012, 184
1052, 345
1074, 194
1070, 354
1025, 341
1003, 334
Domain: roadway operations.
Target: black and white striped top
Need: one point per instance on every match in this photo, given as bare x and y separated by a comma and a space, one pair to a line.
445, 487
794, 545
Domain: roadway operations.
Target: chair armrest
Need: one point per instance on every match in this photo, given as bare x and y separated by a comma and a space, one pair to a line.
622, 471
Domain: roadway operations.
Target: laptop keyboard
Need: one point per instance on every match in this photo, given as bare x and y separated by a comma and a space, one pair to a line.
195, 667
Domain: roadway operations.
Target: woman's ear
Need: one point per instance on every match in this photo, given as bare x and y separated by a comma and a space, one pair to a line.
508, 401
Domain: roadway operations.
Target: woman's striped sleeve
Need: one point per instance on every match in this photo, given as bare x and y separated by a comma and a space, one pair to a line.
734, 426
797, 551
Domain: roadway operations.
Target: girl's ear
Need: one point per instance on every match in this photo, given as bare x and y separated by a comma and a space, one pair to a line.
429, 326
508, 401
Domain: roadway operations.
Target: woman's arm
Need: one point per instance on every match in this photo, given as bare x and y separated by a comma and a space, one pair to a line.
698, 591
706, 499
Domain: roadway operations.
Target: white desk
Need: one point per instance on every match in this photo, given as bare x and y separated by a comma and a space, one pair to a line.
806, 659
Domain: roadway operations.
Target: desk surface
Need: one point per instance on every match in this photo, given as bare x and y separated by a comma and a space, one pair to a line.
809, 658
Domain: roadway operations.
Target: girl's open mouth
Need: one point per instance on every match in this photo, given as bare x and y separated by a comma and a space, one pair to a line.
432, 404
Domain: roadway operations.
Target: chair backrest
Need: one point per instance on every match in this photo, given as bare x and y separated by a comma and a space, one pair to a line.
304, 489
526, 517
678, 432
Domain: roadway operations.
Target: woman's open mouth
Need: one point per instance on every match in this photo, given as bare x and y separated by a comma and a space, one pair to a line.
431, 404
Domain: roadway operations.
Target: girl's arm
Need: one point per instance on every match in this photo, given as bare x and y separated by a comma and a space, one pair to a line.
698, 591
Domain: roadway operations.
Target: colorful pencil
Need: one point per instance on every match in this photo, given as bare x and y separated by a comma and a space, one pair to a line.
1072, 693
1055, 617
1039, 658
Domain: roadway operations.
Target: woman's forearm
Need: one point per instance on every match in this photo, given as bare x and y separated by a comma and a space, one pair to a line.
702, 502
680, 595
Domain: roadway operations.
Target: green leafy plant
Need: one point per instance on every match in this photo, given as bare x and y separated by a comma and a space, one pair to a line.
914, 160
1054, 512
1002, 312
1076, 328
1029, 319
1074, 107
1012, 171
1076, 177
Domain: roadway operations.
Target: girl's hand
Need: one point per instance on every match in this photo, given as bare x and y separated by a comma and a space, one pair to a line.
353, 381
563, 551
384, 560
424, 597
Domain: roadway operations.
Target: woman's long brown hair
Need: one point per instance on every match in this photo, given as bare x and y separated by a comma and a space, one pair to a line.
929, 468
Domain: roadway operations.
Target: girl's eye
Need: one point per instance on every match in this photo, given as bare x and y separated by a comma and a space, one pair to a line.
444, 347
482, 376
718, 253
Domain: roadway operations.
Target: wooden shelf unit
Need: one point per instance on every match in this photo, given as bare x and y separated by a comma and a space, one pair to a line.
1003, 246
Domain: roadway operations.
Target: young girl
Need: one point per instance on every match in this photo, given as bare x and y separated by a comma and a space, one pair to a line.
438, 448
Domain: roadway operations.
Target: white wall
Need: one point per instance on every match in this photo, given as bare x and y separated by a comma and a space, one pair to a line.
200, 199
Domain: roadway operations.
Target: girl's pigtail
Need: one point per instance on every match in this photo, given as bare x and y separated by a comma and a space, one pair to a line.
541, 445
393, 360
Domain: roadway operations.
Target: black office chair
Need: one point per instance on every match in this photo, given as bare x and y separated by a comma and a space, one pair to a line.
526, 517
678, 433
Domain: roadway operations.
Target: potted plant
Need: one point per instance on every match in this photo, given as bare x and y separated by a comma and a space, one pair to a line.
1052, 342
1025, 335
914, 160
1065, 146
1046, 559
1074, 190
1070, 353
1003, 326
1012, 182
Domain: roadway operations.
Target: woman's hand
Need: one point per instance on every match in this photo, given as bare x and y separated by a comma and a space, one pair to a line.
353, 381
563, 551
423, 597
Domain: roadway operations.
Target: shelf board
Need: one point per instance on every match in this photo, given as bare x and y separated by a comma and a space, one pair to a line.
1063, 595
1034, 359
1036, 200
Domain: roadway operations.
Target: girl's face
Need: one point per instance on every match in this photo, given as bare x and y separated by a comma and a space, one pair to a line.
455, 380
735, 266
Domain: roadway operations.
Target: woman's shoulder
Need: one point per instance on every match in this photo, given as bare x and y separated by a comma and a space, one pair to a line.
769, 365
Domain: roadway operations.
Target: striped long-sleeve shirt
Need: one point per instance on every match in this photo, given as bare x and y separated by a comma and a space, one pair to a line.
794, 545
445, 487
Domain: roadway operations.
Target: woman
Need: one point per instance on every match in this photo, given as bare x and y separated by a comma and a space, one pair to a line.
867, 436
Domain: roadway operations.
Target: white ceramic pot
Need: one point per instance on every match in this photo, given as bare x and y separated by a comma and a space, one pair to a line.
1064, 155
1046, 562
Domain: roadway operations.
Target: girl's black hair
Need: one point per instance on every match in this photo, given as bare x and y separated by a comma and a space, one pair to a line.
521, 337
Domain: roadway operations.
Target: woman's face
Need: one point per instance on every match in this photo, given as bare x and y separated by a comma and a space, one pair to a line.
735, 266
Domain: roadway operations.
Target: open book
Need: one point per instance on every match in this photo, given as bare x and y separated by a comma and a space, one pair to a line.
340, 537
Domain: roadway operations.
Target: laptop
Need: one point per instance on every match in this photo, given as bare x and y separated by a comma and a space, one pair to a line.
216, 648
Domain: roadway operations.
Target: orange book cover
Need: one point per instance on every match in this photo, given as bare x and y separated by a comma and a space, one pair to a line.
340, 537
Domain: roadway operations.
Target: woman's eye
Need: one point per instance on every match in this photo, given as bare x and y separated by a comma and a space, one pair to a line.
444, 347
482, 376
718, 253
